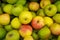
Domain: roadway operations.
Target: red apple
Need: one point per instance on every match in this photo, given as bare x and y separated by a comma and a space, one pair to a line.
25, 30
37, 22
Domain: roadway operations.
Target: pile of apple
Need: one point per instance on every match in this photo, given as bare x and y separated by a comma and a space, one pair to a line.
29, 20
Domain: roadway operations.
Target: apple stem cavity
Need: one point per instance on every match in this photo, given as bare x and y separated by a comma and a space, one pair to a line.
49, 8
10, 35
37, 21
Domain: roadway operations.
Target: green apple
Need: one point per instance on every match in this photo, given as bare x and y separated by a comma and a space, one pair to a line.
8, 27
48, 21
11, 1
17, 10
15, 23
25, 8
4, 19
40, 12
58, 38
7, 8
34, 14
21, 2
44, 3
2, 33
58, 5
50, 10
57, 18
33, 6
25, 17
44, 33
35, 35
12, 35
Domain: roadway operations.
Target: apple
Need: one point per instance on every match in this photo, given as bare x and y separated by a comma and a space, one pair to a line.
55, 29
44, 3
33, 6
8, 27
58, 5
40, 12
35, 35
17, 10
25, 9
50, 10
58, 37
48, 21
37, 22
34, 14
28, 38
25, 17
25, 30
57, 18
4, 19
12, 35
11, 1
21, 2
15, 23
2, 33
44, 33
7, 8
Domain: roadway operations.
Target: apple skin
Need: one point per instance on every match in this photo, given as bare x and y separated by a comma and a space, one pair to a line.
12, 35
8, 28
48, 21
58, 38
44, 33
25, 17
35, 35
2, 33
11, 1
7, 8
58, 5
17, 10
4, 19
40, 12
34, 14
44, 3
25, 30
37, 22
33, 6
21, 2
55, 29
50, 10
28, 38
15, 23
56, 18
